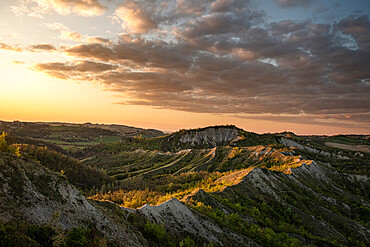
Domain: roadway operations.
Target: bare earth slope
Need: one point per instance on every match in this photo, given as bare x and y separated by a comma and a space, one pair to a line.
32, 193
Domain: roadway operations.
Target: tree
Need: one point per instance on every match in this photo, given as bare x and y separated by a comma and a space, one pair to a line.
4, 147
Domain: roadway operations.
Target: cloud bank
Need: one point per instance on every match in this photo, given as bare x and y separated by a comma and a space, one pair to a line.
223, 57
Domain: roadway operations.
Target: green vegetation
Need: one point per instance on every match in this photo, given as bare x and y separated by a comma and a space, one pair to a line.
70, 137
163, 188
356, 164
156, 233
89, 179
323, 204
158, 236
4, 147
351, 139
265, 236
17, 234
253, 139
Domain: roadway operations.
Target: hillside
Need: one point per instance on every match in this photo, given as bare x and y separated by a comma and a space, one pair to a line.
31, 193
214, 186
281, 187
209, 137
73, 136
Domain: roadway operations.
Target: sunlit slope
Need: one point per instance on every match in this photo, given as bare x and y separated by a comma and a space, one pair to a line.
129, 164
274, 191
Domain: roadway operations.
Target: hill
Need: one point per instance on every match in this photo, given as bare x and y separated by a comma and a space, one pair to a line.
71, 136
31, 193
222, 186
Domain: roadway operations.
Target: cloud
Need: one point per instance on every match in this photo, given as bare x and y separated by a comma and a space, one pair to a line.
37, 8
42, 47
229, 5
77, 70
220, 59
64, 31
32, 48
97, 51
294, 3
67, 34
18, 62
359, 28
8, 47
135, 18
97, 40
287, 26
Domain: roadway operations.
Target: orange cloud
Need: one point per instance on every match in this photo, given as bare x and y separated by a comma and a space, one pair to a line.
7, 47
135, 18
42, 47
63, 7
97, 40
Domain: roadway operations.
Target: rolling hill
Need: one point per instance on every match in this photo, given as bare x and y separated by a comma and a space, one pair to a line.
214, 186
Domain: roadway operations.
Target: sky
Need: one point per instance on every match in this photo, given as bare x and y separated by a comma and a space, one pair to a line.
262, 65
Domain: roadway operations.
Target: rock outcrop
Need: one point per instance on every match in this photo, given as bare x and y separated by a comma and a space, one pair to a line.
212, 137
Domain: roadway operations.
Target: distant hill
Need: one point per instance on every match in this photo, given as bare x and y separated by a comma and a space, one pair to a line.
209, 137
75, 136
128, 131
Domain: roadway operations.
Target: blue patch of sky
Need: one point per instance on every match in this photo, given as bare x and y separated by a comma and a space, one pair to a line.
323, 11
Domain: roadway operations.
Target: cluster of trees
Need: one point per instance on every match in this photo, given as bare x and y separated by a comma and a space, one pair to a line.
253, 139
158, 235
89, 179
264, 235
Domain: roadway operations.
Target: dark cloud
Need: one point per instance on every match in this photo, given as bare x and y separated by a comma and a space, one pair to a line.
75, 70
287, 26
294, 3
218, 59
229, 5
359, 28
217, 23
42, 47
95, 50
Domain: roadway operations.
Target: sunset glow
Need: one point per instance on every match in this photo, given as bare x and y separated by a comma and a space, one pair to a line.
265, 66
